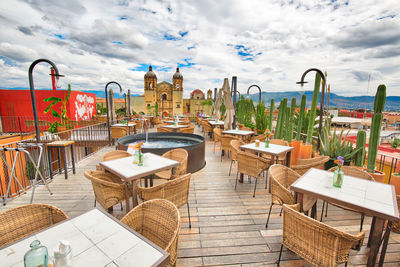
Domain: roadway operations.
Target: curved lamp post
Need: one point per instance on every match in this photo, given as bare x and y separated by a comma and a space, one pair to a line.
321, 107
108, 115
32, 87
259, 91
129, 102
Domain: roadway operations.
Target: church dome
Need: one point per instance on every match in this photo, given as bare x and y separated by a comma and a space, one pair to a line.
150, 73
177, 74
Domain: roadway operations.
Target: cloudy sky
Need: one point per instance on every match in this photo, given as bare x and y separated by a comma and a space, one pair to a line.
269, 43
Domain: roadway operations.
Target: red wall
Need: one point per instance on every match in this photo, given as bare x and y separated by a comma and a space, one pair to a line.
16, 107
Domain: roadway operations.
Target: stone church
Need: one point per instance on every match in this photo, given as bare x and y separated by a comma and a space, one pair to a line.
169, 96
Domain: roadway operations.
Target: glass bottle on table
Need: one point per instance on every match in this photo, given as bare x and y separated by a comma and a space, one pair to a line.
36, 256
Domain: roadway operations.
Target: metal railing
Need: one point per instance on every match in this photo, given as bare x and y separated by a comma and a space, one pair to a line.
88, 139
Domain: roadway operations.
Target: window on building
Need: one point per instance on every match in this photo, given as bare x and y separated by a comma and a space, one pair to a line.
164, 97
148, 105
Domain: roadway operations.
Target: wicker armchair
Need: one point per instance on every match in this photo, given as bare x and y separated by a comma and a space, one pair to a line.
176, 191
235, 147
19, 222
250, 165
178, 154
116, 154
189, 129
260, 137
118, 132
217, 136
316, 242
396, 225
351, 171
281, 158
281, 178
303, 165
226, 143
161, 129
108, 189
245, 129
158, 220
208, 129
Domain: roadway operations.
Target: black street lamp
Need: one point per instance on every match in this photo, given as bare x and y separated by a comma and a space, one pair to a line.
32, 87
108, 115
321, 107
259, 91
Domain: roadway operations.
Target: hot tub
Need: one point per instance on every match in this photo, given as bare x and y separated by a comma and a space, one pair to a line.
159, 143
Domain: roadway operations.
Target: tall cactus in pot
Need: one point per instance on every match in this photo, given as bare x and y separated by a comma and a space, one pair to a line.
302, 115
289, 127
376, 125
271, 112
281, 119
359, 158
313, 108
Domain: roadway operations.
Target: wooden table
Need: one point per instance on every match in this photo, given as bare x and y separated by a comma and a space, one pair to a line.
61, 145
129, 172
129, 126
175, 127
372, 198
215, 123
97, 239
243, 134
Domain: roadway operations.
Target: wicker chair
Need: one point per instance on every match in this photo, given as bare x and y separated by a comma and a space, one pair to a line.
118, 132
217, 136
350, 171
260, 137
208, 129
226, 143
161, 129
189, 129
316, 242
250, 165
281, 178
245, 129
116, 154
235, 147
19, 222
108, 189
178, 154
176, 191
158, 220
396, 225
281, 158
303, 165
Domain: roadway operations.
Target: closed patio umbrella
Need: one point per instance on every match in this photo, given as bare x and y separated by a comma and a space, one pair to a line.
217, 105
230, 110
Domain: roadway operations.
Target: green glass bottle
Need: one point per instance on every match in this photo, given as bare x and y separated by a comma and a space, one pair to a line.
36, 256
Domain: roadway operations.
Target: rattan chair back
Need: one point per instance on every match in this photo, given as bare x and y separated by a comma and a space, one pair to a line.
281, 179
207, 127
161, 129
316, 242
250, 164
108, 189
217, 134
115, 154
226, 142
235, 147
303, 165
17, 223
118, 132
260, 137
354, 171
176, 190
158, 220
245, 129
189, 129
181, 155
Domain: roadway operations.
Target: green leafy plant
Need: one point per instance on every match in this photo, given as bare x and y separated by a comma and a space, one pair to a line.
395, 143
245, 112
335, 145
261, 118
313, 109
62, 115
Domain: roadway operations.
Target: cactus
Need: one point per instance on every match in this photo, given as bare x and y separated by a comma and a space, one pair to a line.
279, 130
313, 108
287, 123
376, 125
278, 121
289, 129
302, 113
360, 156
271, 111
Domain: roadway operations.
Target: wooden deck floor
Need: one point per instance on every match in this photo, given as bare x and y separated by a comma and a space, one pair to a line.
228, 226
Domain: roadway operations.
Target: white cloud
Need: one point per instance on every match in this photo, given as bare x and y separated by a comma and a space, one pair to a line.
93, 42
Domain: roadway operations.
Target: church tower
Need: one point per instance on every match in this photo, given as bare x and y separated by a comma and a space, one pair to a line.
150, 88
177, 92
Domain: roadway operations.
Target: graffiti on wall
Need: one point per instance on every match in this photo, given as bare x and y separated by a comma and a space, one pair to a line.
84, 107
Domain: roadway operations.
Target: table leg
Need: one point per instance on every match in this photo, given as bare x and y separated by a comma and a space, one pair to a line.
173, 172
375, 241
134, 195
65, 163
241, 178
314, 211
371, 230
299, 199
385, 243
128, 208
73, 159
288, 157
50, 163
59, 159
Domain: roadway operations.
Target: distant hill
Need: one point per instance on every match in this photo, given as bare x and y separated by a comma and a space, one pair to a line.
336, 101
102, 93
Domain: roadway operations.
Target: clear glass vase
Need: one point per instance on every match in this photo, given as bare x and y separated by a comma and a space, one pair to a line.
338, 178
140, 158
36, 256
266, 142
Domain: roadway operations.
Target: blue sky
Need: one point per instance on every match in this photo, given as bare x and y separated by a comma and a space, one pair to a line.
269, 43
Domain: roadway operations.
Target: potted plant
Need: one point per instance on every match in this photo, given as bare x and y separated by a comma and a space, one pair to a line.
395, 180
335, 145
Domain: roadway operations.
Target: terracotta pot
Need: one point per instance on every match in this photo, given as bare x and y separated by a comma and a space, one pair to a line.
295, 152
305, 151
378, 175
395, 180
